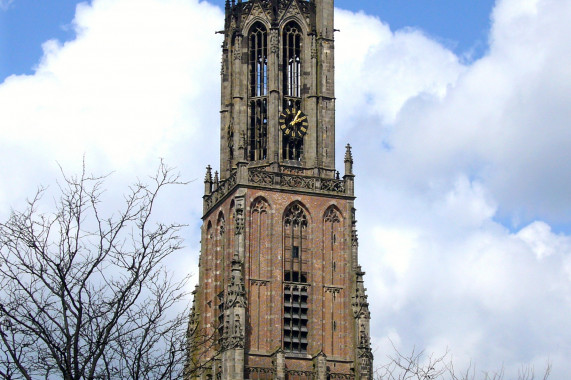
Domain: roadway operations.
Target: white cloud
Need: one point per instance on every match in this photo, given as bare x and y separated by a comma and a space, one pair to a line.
451, 150
442, 151
137, 83
5, 4
134, 85
503, 120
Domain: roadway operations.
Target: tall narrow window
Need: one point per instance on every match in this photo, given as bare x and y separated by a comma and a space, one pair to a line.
292, 148
258, 60
295, 281
292, 60
258, 71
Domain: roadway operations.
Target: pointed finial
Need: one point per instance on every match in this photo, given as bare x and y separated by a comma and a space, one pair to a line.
348, 161
348, 154
216, 181
208, 181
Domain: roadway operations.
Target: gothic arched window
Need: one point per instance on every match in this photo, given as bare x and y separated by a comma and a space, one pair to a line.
295, 287
258, 51
292, 148
292, 60
258, 73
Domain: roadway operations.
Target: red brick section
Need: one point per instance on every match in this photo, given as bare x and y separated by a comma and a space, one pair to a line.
326, 256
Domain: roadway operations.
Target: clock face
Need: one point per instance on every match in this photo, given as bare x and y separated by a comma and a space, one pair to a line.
293, 123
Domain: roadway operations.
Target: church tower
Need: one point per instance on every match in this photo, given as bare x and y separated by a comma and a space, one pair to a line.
280, 293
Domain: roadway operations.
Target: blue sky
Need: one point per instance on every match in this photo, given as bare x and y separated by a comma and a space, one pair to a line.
458, 113
462, 25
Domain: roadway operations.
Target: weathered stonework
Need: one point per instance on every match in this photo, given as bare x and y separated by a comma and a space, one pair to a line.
281, 293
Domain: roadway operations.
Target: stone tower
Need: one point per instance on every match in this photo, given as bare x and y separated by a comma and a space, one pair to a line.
280, 292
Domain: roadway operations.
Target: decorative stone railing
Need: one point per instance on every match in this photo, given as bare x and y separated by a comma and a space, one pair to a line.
220, 191
284, 177
341, 376
299, 373
259, 372
291, 181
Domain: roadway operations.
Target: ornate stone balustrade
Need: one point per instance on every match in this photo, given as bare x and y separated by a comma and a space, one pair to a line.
341, 376
219, 192
276, 176
292, 181
259, 373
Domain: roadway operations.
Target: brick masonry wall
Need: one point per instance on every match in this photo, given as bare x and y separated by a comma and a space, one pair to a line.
331, 323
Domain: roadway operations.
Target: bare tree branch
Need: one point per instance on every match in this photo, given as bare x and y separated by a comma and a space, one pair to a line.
85, 294
419, 366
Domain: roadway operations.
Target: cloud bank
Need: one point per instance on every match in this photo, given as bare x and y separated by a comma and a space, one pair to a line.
462, 169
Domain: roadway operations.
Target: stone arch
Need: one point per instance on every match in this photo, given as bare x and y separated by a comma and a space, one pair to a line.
220, 220
333, 213
260, 204
249, 24
294, 205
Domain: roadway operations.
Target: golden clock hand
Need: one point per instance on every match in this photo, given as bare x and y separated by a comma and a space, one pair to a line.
300, 120
294, 121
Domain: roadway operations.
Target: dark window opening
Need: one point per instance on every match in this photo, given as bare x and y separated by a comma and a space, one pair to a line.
295, 318
294, 276
258, 132
220, 328
295, 252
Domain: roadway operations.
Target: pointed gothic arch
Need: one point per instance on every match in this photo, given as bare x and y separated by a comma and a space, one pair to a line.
292, 43
260, 230
296, 277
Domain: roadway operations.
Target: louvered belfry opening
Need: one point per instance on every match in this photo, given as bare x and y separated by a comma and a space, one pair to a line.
258, 73
292, 148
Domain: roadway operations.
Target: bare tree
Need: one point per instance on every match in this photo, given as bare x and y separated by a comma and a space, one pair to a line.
419, 366
84, 295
